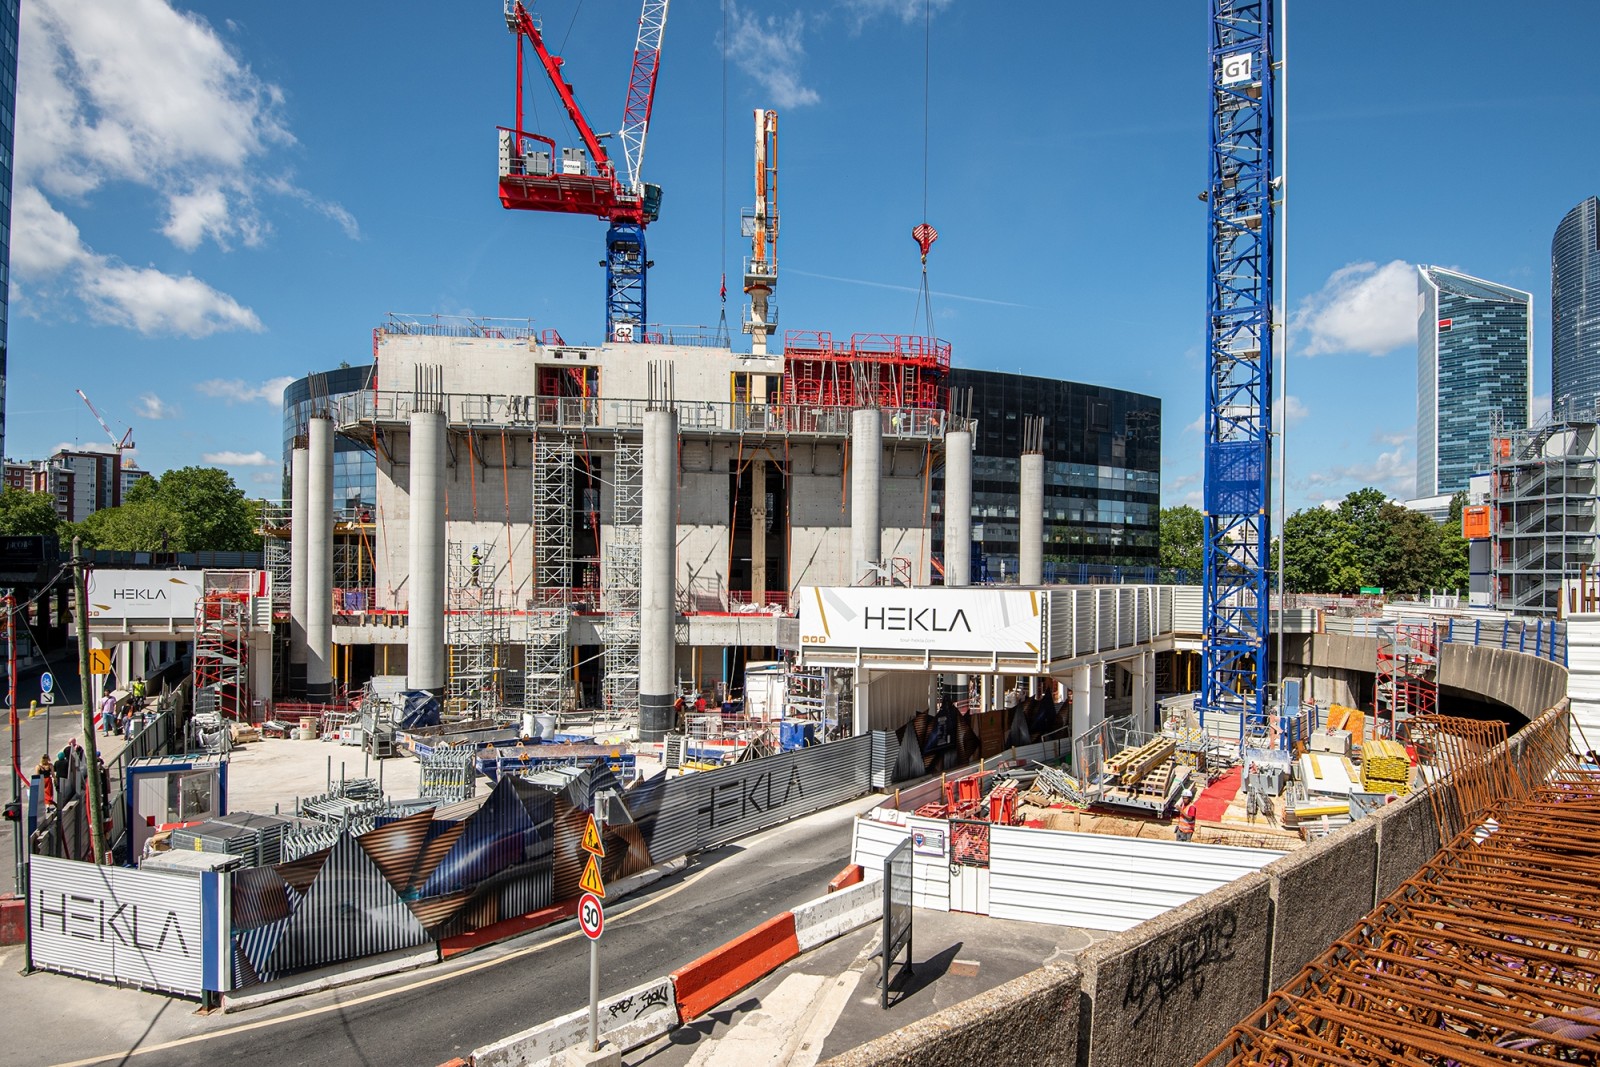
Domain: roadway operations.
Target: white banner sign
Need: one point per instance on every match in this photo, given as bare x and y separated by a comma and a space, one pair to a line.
141, 928
951, 620
143, 594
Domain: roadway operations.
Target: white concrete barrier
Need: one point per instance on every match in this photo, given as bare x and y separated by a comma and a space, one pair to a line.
823, 919
627, 1021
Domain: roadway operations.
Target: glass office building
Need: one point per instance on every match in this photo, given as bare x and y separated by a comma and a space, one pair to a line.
1575, 314
355, 470
1102, 472
1474, 374
8, 113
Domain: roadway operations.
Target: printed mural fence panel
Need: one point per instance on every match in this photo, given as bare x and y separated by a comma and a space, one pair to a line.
150, 929
1099, 882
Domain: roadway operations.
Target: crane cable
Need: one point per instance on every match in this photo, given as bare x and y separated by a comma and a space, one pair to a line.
925, 234
722, 326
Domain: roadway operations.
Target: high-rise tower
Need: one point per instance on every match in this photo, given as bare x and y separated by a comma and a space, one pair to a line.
1474, 366
1575, 313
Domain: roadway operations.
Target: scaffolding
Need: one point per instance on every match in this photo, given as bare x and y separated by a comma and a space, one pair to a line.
547, 653
1407, 674
620, 593
1546, 514
276, 553
222, 621
477, 632
870, 370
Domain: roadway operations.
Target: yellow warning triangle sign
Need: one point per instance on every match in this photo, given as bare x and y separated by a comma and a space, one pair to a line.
590, 882
591, 840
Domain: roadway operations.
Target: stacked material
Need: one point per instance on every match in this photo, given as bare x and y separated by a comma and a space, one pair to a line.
1059, 785
1385, 767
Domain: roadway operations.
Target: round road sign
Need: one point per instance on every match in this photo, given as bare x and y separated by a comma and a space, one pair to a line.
47, 682
591, 916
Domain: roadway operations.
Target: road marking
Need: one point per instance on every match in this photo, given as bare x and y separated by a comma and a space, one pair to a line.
342, 1005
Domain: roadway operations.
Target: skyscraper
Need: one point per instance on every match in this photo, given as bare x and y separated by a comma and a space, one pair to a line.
1474, 372
8, 121
1575, 313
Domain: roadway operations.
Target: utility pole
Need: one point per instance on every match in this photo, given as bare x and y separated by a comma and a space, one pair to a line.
91, 757
16, 743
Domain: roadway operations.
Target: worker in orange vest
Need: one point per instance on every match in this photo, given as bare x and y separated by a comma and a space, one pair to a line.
1186, 816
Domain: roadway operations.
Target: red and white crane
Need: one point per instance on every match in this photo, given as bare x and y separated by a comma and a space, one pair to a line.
125, 443
584, 180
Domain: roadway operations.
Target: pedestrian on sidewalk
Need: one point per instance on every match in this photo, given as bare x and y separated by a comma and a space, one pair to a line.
45, 772
108, 713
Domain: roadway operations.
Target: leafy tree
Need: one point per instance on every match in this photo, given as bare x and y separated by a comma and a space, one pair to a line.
1182, 539
215, 514
142, 526
23, 514
1369, 540
1318, 551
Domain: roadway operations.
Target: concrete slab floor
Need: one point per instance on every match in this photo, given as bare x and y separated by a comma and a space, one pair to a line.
274, 771
787, 1015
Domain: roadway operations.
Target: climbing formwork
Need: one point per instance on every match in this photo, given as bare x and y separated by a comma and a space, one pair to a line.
620, 592
548, 655
222, 626
869, 370
477, 633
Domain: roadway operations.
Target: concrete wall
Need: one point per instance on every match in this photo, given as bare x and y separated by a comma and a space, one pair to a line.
1169, 989
1318, 892
1030, 1021
1408, 837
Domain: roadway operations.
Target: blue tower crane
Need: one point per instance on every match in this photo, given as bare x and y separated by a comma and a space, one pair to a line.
1238, 415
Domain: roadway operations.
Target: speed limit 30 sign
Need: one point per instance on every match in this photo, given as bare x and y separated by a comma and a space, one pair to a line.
591, 916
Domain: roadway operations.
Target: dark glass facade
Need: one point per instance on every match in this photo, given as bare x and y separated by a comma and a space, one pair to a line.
355, 471
1102, 471
8, 115
1474, 373
1575, 313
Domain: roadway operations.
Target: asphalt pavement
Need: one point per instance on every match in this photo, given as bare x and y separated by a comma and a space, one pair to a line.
428, 1016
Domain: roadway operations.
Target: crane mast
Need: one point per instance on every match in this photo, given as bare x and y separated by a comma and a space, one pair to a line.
1238, 415
760, 224
584, 180
120, 446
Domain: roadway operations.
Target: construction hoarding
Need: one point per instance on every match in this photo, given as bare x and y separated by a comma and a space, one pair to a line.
1007, 622
115, 595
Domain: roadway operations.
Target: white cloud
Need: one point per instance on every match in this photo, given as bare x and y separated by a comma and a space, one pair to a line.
864, 11
150, 406
1297, 411
1394, 472
237, 391
770, 51
1539, 408
1362, 307
1197, 426
240, 459
138, 92
269, 477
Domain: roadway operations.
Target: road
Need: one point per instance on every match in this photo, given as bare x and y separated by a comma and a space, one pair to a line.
426, 1017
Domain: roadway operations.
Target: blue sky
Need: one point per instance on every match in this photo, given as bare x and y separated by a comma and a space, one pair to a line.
212, 199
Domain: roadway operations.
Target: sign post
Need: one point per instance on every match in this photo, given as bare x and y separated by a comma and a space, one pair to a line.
592, 917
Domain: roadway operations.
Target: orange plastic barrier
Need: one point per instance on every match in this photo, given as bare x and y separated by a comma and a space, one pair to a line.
722, 972
846, 878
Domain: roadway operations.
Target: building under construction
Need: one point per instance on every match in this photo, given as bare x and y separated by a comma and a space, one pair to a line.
1545, 514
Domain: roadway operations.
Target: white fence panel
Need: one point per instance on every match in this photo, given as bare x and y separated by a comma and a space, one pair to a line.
1104, 883
872, 845
930, 864
1583, 678
141, 928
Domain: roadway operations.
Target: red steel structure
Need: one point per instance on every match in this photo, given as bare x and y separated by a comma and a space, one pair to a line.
870, 370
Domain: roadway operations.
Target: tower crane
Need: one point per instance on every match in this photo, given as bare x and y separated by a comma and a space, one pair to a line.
119, 445
585, 180
760, 224
1238, 413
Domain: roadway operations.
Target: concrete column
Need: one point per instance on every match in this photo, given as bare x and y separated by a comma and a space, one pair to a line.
123, 664
958, 507
862, 704
1030, 521
425, 615
866, 481
1088, 698
1142, 670
299, 516
658, 585
319, 560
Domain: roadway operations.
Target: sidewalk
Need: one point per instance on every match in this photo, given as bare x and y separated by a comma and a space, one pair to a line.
827, 1001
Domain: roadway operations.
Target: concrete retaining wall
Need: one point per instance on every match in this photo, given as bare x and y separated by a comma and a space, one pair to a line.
1031, 1021
1318, 893
1168, 990
627, 1021
1408, 837
821, 920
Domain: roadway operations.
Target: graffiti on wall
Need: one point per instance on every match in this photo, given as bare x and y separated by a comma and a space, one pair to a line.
1164, 967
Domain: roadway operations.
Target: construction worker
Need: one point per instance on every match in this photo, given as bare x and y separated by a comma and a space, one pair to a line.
1187, 814
476, 562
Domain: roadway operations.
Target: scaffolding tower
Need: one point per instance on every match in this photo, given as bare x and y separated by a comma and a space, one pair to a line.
222, 621
1407, 673
476, 631
620, 593
276, 554
547, 652
1546, 513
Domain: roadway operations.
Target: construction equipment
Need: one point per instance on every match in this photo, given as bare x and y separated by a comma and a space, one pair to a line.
760, 224
120, 445
584, 181
1238, 411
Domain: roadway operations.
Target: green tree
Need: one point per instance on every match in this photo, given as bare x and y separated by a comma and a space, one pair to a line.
23, 514
216, 516
142, 526
1317, 551
1183, 539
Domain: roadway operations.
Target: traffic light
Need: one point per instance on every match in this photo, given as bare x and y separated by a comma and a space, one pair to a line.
13, 811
